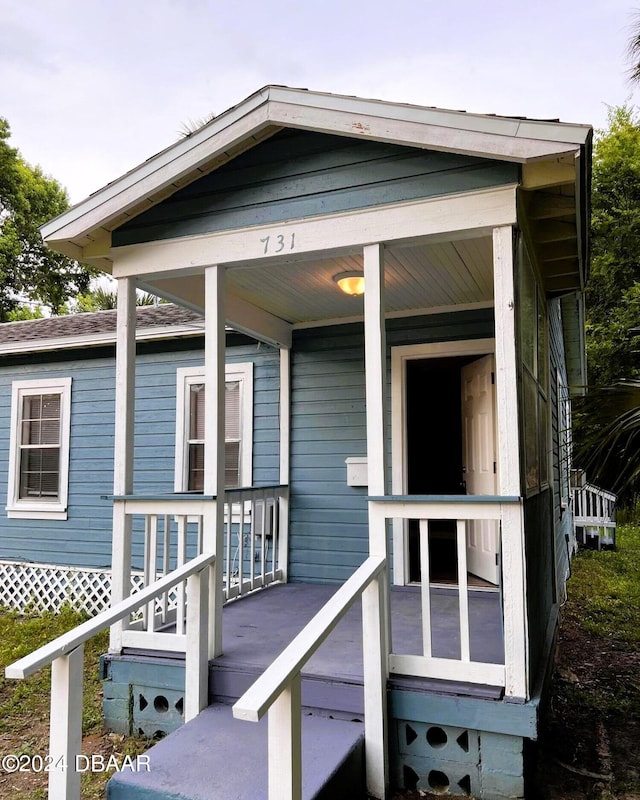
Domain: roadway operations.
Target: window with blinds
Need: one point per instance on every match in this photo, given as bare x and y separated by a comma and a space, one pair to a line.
232, 439
190, 433
40, 446
39, 453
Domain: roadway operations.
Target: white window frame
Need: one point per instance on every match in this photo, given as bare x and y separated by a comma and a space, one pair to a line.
185, 377
22, 508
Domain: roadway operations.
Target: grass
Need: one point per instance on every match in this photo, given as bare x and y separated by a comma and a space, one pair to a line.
593, 720
605, 588
24, 705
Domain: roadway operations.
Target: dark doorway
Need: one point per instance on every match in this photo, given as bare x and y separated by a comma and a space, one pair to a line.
434, 455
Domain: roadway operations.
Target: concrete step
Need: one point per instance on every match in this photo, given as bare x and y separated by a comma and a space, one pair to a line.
216, 757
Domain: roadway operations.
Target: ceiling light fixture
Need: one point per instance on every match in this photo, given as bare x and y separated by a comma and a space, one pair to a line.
350, 282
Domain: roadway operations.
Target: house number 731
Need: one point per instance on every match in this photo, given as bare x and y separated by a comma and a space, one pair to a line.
278, 243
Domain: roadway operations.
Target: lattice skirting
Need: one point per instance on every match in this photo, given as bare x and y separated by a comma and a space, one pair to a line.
47, 587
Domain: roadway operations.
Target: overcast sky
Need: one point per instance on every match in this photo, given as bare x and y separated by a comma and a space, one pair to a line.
93, 87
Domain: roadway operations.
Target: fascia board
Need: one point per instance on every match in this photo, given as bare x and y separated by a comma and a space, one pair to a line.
563, 132
483, 144
96, 339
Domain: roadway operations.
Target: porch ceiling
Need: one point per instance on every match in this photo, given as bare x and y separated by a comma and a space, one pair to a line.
417, 277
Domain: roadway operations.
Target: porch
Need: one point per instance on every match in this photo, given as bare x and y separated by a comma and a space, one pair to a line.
256, 629
259, 627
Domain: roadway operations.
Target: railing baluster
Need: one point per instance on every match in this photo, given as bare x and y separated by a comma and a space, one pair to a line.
425, 589
151, 541
252, 545
241, 552
181, 558
463, 590
263, 539
166, 542
228, 542
65, 727
145, 565
275, 526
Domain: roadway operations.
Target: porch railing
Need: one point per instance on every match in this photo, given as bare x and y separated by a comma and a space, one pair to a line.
505, 666
278, 689
594, 514
65, 654
168, 531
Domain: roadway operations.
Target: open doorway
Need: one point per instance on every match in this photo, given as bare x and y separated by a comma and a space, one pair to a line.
450, 450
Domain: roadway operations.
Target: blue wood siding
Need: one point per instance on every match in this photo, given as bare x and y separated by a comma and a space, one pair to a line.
546, 521
329, 535
562, 516
84, 539
299, 174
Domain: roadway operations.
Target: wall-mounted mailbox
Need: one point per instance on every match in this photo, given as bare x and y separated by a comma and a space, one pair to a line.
357, 473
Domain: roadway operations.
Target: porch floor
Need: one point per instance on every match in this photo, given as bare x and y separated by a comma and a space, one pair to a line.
258, 627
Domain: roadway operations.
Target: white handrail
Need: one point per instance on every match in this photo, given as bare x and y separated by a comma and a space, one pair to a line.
66, 652
278, 689
67, 642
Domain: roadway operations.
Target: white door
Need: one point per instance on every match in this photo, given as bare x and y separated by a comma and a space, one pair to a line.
479, 463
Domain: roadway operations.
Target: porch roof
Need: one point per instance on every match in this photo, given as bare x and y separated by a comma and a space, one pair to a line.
438, 247
547, 150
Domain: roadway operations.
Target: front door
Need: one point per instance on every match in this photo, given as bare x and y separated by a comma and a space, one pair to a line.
479, 463
431, 455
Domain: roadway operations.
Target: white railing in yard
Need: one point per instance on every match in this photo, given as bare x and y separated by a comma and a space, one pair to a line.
168, 531
278, 689
65, 654
594, 511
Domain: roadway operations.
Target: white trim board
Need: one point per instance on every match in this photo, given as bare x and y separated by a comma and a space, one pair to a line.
399, 357
97, 339
24, 508
452, 215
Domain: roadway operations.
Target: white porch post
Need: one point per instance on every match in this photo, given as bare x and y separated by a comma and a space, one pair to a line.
123, 453
285, 441
513, 553
375, 600
214, 362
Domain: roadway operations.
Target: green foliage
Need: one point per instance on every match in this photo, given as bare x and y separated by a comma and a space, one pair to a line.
19, 636
606, 428
28, 198
25, 312
605, 588
24, 704
609, 444
613, 294
101, 299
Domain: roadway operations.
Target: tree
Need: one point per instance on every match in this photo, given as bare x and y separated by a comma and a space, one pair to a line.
28, 270
613, 293
607, 423
104, 299
633, 50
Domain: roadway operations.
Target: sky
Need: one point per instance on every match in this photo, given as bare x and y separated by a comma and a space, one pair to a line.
91, 88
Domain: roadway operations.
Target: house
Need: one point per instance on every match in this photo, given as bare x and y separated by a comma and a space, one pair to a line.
56, 549
418, 457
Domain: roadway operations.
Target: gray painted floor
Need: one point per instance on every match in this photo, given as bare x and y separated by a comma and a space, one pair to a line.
257, 628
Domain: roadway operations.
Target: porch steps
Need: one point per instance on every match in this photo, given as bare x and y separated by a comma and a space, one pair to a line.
216, 757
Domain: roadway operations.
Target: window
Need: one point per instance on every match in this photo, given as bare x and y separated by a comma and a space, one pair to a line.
190, 434
535, 377
564, 440
39, 449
